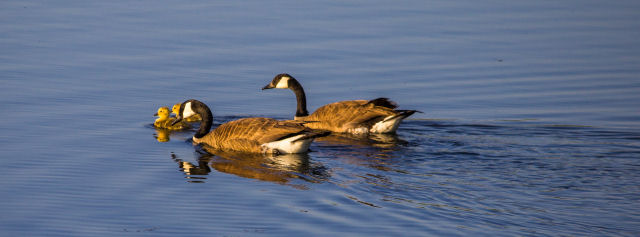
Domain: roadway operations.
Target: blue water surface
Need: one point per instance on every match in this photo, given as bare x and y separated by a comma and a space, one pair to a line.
530, 123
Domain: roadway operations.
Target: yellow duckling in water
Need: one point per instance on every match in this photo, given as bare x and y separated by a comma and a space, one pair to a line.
165, 121
195, 118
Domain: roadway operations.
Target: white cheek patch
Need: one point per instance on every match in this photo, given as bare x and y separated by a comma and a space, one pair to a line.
283, 83
188, 112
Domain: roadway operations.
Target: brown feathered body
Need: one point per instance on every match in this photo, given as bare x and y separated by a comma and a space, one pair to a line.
352, 116
251, 134
348, 116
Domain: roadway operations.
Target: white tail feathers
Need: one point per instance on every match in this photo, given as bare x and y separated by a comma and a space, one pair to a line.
295, 144
390, 123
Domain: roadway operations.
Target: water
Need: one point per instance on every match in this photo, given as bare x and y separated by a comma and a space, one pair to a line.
530, 123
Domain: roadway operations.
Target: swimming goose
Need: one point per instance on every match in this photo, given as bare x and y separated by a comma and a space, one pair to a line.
352, 116
255, 135
176, 109
166, 122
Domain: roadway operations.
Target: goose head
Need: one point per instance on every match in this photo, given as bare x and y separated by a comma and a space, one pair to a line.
286, 81
193, 107
186, 110
280, 81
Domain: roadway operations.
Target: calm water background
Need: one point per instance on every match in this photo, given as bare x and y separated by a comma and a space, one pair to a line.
530, 124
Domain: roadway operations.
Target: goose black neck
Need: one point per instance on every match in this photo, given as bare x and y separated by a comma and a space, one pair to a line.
295, 86
207, 118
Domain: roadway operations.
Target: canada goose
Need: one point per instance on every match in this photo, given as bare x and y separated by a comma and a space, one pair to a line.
351, 116
164, 121
255, 135
176, 109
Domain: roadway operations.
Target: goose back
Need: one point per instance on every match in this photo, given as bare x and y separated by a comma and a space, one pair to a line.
353, 116
349, 116
250, 134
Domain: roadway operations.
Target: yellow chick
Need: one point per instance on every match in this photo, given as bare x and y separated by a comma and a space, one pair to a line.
194, 118
165, 121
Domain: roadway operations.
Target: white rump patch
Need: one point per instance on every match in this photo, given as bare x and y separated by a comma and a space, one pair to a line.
387, 126
360, 130
287, 146
188, 112
283, 83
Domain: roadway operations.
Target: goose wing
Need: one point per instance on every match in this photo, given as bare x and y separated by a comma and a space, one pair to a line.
344, 115
251, 132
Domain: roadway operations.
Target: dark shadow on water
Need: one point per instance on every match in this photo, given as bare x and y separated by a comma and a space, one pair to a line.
376, 151
373, 140
281, 169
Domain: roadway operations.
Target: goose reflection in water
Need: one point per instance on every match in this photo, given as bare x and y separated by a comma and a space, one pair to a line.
280, 169
193, 172
372, 140
373, 150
